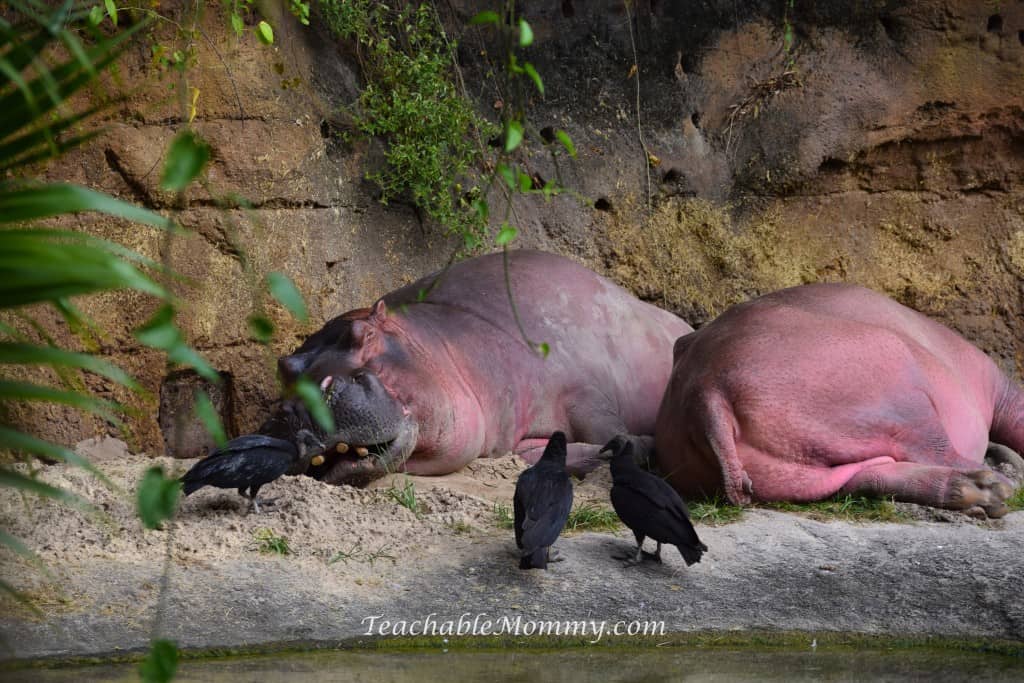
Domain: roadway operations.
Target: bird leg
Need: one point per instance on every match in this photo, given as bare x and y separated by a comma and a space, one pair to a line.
554, 556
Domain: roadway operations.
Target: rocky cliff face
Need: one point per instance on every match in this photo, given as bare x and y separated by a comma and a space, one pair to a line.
883, 145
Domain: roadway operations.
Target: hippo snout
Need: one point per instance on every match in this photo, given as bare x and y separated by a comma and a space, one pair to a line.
290, 367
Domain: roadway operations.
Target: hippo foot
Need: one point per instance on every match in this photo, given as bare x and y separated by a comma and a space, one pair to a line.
643, 449
1006, 462
982, 490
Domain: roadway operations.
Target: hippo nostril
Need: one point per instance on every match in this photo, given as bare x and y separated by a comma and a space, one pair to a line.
290, 367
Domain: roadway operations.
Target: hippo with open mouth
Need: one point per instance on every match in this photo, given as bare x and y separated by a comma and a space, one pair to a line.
448, 369
832, 388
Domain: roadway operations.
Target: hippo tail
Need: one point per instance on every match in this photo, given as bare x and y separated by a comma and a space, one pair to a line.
1008, 417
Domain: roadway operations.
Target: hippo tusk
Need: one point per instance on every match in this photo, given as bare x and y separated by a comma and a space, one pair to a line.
317, 460
362, 452
342, 447
325, 382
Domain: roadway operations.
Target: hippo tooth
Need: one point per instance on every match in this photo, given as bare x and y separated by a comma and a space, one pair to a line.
342, 447
325, 382
362, 452
317, 460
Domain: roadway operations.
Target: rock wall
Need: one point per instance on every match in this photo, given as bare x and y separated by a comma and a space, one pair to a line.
884, 146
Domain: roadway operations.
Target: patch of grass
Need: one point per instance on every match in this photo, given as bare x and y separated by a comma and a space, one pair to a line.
850, 508
1016, 501
356, 553
714, 512
411, 100
503, 516
268, 541
460, 527
405, 496
592, 517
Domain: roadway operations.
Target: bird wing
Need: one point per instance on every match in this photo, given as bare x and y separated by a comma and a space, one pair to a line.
238, 468
547, 502
650, 505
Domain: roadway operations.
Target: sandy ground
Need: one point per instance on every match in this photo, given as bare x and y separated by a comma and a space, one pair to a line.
358, 552
353, 533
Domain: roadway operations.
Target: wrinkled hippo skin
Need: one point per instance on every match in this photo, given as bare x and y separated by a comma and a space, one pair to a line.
832, 388
438, 373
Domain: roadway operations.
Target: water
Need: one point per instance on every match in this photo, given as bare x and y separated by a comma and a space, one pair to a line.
653, 665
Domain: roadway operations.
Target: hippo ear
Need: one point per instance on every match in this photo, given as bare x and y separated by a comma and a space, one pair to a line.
379, 311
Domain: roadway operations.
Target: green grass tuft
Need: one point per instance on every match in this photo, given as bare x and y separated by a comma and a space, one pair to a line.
850, 508
714, 512
270, 542
405, 496
1016, 501
592, 517
503, 516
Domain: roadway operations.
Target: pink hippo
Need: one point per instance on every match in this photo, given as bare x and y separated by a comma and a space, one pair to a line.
832, 388
440, 372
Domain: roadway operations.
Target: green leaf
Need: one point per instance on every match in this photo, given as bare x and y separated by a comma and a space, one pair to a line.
566, 141
508, 175
20, 441
96, 15
157, 497
186, 159
543, 349
111, 10
265, 33
481, 208
485, 17
27, 391
287, 294
16, 480
29, 354
207, 414
314, 400
237, 24
525, 182
160, 663
525, 34
261, 328
513, 136
160, 332
184, 354
32, 203
534, 76
505, 235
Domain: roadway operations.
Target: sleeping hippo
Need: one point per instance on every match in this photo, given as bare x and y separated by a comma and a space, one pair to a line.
832, 388
446, 370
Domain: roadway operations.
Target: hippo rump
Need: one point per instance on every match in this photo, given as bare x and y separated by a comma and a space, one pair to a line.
832, 388
446, 369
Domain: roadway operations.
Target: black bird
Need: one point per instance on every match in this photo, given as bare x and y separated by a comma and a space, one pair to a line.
542, 501
249, 462
649, 506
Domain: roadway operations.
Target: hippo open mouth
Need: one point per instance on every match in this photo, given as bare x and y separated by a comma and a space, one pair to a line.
374, 434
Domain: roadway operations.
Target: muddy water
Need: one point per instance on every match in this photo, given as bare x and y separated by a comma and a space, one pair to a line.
696, 665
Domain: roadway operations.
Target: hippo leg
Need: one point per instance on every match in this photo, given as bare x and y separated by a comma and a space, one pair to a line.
580, 459
975, 492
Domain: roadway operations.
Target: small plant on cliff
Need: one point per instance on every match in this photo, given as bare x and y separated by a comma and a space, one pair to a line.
411, 101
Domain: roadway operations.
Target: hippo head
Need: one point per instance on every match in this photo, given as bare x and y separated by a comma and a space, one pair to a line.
355, 359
